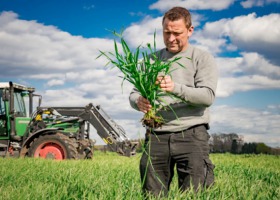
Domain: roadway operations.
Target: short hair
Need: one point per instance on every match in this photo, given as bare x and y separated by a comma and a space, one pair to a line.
176, 13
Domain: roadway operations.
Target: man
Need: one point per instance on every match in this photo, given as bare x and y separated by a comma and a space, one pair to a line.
182, 141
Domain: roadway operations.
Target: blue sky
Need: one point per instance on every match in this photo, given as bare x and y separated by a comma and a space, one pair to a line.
52, 45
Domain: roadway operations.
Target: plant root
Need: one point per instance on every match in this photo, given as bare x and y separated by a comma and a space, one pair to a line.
152, 121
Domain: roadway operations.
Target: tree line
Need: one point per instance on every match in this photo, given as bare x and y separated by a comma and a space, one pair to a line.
221, 143
234, 143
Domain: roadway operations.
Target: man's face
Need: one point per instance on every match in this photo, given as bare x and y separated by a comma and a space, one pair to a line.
176, 35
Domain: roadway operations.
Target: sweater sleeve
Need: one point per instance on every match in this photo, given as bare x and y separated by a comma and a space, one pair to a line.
205, 82
133, 98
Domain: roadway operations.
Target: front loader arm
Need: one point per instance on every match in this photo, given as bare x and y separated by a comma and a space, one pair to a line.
111, 133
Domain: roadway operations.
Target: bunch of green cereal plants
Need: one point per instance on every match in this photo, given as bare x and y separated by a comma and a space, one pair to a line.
110, 176
142, 74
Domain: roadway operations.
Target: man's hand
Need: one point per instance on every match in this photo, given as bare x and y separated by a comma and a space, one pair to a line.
143, 104
165, 83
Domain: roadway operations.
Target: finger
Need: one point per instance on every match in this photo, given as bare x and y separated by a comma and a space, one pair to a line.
143, 104
160, 79
167, 79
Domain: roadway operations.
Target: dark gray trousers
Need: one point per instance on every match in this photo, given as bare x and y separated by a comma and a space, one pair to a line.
187, 150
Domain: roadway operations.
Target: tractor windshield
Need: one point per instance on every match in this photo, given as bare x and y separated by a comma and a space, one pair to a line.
19, 104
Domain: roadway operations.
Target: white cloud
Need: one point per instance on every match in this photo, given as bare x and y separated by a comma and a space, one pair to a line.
63, 97
164, 5
28, 48
250, 72
45, 76
274, 107
214, 46
147, 28
88, 7
259, 3
54, 82
230, 85
254, 125
256, 64
248, 33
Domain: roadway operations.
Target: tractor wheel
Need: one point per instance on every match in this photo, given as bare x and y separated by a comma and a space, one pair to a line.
55, 146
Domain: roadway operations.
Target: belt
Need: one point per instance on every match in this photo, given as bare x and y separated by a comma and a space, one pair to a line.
192, 127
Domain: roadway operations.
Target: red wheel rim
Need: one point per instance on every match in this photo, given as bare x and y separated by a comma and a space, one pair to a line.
50, 151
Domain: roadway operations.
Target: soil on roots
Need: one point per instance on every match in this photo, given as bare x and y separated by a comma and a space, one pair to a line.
152, 122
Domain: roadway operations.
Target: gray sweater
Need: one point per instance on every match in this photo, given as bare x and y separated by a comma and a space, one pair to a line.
195, 85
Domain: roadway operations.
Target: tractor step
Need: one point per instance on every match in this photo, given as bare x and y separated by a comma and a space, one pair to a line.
3, 145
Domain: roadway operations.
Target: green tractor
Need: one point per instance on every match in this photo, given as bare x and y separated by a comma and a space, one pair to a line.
54, 132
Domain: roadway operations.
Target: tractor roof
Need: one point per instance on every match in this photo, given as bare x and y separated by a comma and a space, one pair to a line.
16, 86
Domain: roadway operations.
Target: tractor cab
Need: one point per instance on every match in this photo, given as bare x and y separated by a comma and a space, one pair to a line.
14, 116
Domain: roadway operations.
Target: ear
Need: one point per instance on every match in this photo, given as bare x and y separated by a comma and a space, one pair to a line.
190, 31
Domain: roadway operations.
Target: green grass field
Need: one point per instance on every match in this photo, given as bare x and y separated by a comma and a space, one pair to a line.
109, 176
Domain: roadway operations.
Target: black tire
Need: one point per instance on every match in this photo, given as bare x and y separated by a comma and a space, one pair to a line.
53, 146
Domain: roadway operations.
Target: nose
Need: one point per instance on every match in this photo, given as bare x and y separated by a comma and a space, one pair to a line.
171, 37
